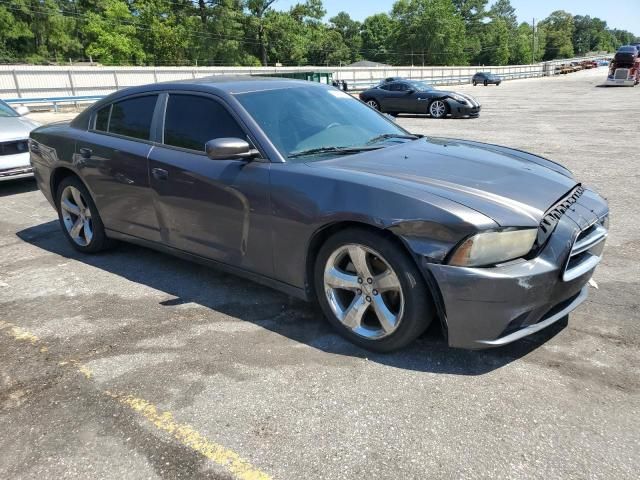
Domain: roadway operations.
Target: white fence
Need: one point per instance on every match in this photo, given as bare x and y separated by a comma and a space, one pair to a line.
30, 83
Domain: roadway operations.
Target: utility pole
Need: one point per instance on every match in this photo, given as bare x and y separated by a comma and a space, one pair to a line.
533, 42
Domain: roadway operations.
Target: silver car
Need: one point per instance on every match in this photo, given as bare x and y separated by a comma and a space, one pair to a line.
14, 142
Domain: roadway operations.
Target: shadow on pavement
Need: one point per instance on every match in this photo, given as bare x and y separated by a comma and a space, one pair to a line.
22, 185
192, 283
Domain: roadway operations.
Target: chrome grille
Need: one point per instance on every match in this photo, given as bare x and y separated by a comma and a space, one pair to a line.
621, 74
586, 252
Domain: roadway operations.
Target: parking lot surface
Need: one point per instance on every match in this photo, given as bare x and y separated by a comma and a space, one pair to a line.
134, 364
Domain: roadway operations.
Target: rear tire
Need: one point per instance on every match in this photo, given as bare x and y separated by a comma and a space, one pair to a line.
486, 83
378, 301
475, 83
79, 217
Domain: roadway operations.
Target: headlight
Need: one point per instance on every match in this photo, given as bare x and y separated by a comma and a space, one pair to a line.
458, 98
490, 248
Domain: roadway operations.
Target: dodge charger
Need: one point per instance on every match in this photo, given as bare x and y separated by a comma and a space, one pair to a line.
306, 189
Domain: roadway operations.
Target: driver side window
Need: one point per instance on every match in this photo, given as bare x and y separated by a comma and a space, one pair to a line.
192, 120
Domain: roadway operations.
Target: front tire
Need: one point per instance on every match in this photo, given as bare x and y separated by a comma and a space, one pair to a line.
79, 217
438, 109
373, 104
371, 291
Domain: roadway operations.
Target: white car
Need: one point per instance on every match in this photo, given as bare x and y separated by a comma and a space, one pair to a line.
14, 142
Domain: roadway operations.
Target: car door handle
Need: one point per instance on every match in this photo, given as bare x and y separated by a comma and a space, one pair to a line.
159, 173
86, 153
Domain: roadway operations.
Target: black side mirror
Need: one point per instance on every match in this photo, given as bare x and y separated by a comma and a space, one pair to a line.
230, 149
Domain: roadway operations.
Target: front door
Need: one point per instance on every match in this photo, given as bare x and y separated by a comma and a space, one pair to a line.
218, 209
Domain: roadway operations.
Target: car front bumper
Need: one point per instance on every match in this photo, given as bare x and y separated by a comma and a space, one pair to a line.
15, 166
490, 307
459, 110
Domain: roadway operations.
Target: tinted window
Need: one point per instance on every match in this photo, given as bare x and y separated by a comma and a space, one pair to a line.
102, 118
386, 87
133, 117
191, 121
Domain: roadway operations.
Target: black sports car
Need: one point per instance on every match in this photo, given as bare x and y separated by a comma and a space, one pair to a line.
410, 96
486, 78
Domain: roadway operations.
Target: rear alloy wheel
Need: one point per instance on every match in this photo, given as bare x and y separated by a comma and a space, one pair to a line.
373, 104
79, 217
371, 291
438, 109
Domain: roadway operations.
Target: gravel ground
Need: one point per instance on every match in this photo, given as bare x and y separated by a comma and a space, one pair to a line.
87, 341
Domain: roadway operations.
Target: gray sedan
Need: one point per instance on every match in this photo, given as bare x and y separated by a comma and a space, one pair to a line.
302, 187
14, 142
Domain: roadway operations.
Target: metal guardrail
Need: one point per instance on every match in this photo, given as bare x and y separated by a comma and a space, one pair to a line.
55, 86
54, 101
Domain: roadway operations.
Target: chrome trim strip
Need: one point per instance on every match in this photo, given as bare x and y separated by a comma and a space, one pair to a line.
584, 293
581, 269
591, 240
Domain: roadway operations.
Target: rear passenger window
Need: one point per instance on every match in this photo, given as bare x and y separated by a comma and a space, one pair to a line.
102, 118
132, 117
191, 121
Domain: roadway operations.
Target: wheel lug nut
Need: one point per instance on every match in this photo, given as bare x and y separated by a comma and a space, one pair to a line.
368, 299
369, 280
359, 292
359, 280
375, 292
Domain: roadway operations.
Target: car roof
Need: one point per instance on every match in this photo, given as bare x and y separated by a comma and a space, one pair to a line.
230, 84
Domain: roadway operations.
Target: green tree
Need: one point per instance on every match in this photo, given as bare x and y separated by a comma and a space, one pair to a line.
474, 14
558, 28
112, 35
13, 34
258, 10
377, 32
497, 40
431, 30
350, 31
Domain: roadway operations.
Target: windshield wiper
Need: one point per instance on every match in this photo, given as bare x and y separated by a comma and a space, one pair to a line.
336, 150
385, 136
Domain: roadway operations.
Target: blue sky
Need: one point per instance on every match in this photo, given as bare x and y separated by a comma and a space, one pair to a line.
624, 14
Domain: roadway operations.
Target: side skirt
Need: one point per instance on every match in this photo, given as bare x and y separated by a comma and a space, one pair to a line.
285, 288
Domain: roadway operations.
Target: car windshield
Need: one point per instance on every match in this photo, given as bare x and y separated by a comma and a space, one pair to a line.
6, 110
420, 86
310, 123
628, 49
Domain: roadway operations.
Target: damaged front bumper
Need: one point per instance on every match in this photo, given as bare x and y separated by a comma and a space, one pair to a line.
490, 307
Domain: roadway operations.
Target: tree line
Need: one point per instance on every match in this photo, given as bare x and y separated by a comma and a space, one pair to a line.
255, 32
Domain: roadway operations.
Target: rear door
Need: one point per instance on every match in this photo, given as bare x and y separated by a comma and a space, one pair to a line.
113, 157
218, 209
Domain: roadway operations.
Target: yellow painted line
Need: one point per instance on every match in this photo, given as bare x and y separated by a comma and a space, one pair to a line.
189, 437
18, 333
164, 421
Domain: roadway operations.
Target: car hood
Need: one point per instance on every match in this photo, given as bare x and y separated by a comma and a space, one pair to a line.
512, 187
15, 128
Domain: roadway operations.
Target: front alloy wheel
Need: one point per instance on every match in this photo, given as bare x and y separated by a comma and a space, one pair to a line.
438, 109
373, 104
363, 291
371, 291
